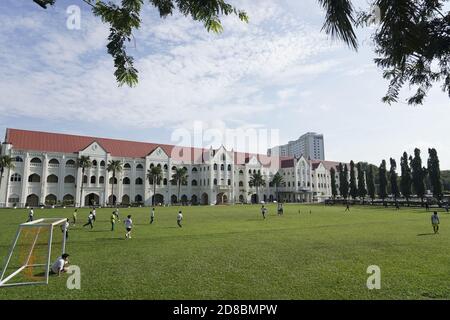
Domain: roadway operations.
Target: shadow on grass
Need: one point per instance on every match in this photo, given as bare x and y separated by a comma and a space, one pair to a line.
425, 234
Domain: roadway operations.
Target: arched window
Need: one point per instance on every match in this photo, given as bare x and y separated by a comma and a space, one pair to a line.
215, 166
165, 167
102, 163
222, 167
249, 171
194, 169
138, 181
36, 160
54, 161
70, 163
69, 179
18, 159
139, 166
127, 166
112, 180
52, 179
34, 178
185, 169
126, 180
94, 163
85, 179
159, 165
101, 180
174, 168
16, 177
223, 157
229, 182
241, 172
229, 167
215, 182
151, 165
138, 198
241, 183
93, 179
165, 182
194, 182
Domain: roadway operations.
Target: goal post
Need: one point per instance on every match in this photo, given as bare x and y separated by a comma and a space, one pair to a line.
30, 257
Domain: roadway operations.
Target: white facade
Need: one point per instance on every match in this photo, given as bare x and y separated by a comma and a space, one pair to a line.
40, 177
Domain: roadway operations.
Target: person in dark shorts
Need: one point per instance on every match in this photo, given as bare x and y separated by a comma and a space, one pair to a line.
128, 226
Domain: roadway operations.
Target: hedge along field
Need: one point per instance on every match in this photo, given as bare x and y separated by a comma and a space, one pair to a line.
230, 252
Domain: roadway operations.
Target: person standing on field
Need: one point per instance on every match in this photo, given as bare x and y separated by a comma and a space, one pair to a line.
179, 218
152, 215
128, 226
113, 221
74, 217
435, 222
30, 215
263, 211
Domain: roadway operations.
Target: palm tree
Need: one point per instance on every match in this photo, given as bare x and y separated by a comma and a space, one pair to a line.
6, 162
84, 163
154, 175
179, 177
277, 180
115, 166
257, 180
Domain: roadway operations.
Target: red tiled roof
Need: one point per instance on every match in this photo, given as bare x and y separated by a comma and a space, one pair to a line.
67, 143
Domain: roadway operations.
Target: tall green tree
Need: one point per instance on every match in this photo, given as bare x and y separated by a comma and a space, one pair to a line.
343, 180
6, 162
84, 163
383, 180
434, 173
179, 177
371, 183
405, 179
154, 175
418, 174
114, 166
393, 177
277, 181
362, 192
353, 187
333, 183
257, 180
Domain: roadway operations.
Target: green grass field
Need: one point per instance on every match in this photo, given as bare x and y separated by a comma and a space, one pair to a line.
229, 252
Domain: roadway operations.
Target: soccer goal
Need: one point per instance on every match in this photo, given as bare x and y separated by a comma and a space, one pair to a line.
30, 257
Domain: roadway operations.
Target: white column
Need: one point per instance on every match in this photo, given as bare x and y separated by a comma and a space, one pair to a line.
44, 174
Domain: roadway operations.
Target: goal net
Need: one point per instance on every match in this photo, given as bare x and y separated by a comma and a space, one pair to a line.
36, 245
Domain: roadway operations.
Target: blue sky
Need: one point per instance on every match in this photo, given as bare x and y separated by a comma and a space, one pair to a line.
279, 72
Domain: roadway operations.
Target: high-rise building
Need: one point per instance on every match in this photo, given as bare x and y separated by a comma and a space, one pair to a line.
310, 145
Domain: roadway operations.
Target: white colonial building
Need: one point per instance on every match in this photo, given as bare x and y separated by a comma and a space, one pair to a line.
46, 172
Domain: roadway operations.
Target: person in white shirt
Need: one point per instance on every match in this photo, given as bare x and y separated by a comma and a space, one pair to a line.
94, 214
60, 265
179, 218
30, 215
128, 226
65, 228
435, 222
152, 215
90, 219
